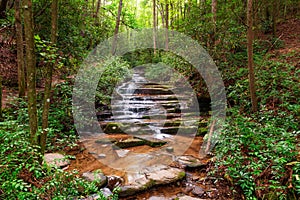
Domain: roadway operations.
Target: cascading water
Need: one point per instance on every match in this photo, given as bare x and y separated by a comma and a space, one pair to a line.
139, 110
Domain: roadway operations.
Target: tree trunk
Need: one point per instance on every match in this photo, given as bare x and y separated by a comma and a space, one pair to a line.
167, 25
118, 19
162, 14
274, 16
250, 55
48, 79
172, 18
98, 8
20, 49
154, 25
31, 70
214, 19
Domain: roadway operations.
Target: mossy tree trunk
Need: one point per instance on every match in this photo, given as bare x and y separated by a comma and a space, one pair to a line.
20, 49
31, 70
48, 80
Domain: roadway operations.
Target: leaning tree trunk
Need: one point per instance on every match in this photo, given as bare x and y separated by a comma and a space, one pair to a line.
118, 20
20, 49
31, 70
250, 55
48, 80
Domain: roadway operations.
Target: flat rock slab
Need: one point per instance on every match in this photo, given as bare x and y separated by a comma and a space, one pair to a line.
188, 161
189, 198
95, 176
56, 159
149, 177
130, 142
151, 141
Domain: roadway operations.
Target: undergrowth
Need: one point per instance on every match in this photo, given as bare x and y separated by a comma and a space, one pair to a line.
259, 152
23, 177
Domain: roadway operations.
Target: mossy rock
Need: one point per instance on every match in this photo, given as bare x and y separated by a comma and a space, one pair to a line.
203, 124
113, 127
202, 131
106, 141
131, 142
152, 142
172, 124
181, 175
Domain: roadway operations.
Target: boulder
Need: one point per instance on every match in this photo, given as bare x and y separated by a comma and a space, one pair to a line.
198, 191
114, 181
99, 177
56, 159
151, 141
130, 142
149, 177
188, 161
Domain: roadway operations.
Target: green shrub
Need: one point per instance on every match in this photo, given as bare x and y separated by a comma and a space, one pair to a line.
23, 177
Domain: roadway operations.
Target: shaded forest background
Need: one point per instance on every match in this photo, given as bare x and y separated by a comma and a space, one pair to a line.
258, 153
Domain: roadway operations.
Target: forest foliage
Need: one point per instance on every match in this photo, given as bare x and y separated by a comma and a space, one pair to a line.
258, 152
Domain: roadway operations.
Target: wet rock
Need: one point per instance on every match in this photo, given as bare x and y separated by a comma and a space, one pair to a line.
151, 141
149, 177
170, 130
172, 123
95, 176
101, 155
187, 189
188, 198
56, 159
113, 127
198, 191
106, 192
170, 149
130, 142
122, 152
114, 181
189, 161
105, 141
153, 91
158, 198
181, 130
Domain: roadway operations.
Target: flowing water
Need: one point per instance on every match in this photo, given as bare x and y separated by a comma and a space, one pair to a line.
149, 123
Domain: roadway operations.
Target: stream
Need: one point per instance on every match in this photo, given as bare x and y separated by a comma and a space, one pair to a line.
153, 133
